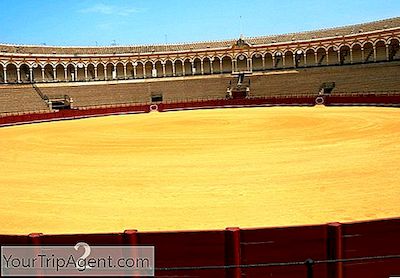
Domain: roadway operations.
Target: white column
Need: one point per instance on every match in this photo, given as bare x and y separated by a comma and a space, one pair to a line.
105, 72
42, 74
305, 59
339, 56
183, 68
95, 72
316, 58
18, 75
220, 66
144, 70
374, 53
294, 60
387, 52
86, 73
125, 75
202, 67
134, 70
163, 68
211, 65
173, 68
5, 74
54, 73
327, 56
263, 62
273, 61
192, 62
351, 55
362, 55
66, 73
284, 60
31, 74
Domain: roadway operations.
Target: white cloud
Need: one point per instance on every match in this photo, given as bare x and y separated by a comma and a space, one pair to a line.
110, 10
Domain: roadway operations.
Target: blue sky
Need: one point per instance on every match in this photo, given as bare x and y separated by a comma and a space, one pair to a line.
123, 22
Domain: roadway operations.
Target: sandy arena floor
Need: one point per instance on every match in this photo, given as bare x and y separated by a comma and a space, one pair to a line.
205, 169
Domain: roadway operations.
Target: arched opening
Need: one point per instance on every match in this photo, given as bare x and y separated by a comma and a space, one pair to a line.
310, 58
299, 58
345, 57
100, 72
80, 72
37, 73
120, 74
129, 70
178, 68
368, 52
140, 70
48, 73
216, 64
289, 59
241, 63
1, 74
278, 60
60, 73
226, 64
197, 66
333, 56
24, 73
90, 72
148, 69
187, 67
11, 73
159, 69
356, 53
71, 73
394, 50
380, 51
207, 65
168, 68
256, 61
268, 61
111, 72
321, 57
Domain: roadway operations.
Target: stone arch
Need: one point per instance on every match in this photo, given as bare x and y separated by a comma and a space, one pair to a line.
148, 68
119, 70
187, 67
140, 69
217, 65
289, 59
299, 58
278, 59
90, 67
345, 56
60, 73
80, 72
37, 73
197, 66
241, 62
333, 55
322, 56
111, 71
24, 73
169, 70
268, 61
368, 52
71, 75
380, 46
206, 65
159, 69
394, 49
48, 73
130, 73
257, 62
100, 71
310, 59
226, 64
356, 50
178, 67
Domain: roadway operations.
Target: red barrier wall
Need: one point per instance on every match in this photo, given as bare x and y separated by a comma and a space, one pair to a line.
287, 248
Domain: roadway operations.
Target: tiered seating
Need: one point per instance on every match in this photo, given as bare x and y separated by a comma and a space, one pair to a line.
20, 99
356, 78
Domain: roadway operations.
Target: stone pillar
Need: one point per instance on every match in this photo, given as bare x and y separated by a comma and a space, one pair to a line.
134, 70
183, 68
233, 65
18, 75
362, 55
86, 73
105, 72
125, 75
305, 58
42, 74
220, 66
163, 69
327, 57
31, 74
263, 62
66, 74
95, 72
374, 53
351, 56
5, 74
76, 73
193, 67
387, 52
54, 73
202, 67
283, 60
316, 58
211, 65
273, 61
173, 68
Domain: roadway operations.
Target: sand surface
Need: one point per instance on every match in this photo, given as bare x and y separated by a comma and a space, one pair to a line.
205, 169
